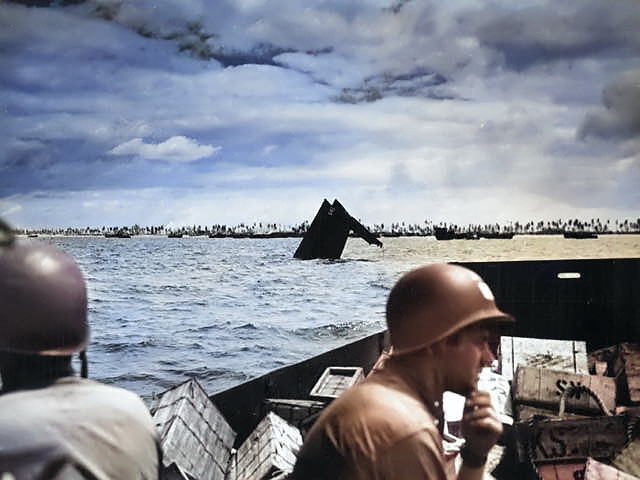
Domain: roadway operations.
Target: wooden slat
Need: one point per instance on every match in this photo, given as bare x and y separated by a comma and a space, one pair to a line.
542, 387
566, 355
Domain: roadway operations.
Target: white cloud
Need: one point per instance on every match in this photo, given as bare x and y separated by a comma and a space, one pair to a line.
175, 149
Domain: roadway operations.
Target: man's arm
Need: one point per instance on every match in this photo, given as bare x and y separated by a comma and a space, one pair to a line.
481, 429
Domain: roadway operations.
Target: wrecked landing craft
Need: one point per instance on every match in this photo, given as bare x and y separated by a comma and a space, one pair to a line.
328, 233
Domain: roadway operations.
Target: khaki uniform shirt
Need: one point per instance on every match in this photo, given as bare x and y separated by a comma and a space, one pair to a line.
379, 429
77, 429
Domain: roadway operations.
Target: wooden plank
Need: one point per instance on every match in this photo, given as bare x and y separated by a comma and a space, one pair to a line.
542, 387
193, 433
565, 355
269, 450
595, 470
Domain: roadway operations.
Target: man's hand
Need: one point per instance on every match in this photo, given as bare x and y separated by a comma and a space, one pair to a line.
480, 426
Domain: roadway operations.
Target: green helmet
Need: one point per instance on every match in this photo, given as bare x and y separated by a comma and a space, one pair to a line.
434, 301
43, 300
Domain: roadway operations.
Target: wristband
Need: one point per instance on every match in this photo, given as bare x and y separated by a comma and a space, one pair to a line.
472, 459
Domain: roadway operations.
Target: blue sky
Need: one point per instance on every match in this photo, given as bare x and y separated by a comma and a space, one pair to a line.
182, 112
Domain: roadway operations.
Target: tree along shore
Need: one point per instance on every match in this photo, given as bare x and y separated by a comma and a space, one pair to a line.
400, 229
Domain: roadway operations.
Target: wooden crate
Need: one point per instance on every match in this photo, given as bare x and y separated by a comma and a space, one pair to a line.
572, 440
595, 470
193, 433
335, 380
300, 413
543, 388
270, 450
566, 355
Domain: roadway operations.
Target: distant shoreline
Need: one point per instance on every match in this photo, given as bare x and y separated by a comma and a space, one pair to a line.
443, 231
280, 235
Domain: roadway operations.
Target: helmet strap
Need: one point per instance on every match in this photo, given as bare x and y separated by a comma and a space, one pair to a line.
84, 369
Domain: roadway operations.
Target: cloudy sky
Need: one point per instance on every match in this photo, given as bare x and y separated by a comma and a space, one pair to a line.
182, 112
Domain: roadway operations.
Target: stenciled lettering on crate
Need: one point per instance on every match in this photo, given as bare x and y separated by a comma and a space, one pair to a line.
543, 388
563, 440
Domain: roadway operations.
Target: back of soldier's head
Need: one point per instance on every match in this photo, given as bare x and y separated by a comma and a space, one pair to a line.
43, 297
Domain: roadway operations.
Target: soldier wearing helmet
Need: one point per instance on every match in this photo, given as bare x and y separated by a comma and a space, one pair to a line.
53, 424
442, 320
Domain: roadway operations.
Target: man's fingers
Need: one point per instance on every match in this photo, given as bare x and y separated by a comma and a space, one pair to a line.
477, 401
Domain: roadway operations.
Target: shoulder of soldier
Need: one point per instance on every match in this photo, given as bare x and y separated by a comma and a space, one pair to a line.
383, 404
97, 393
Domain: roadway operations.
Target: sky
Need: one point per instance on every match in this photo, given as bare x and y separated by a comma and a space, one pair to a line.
194, 112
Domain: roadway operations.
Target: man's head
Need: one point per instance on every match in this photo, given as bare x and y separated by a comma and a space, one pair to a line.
435, 301
44, 300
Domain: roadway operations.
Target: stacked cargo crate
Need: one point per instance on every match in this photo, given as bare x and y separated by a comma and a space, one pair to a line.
565, 414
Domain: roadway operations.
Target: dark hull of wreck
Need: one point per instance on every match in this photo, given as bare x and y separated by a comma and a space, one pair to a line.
593, 300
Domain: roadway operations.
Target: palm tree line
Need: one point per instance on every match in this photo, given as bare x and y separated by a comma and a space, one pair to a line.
268, 230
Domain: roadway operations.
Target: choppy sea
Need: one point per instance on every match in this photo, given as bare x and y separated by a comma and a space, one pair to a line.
224, 311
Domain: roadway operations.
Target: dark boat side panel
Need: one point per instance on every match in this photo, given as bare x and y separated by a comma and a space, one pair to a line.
548, 299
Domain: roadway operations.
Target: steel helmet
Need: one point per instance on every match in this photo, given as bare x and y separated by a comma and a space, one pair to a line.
432, 302
43, 300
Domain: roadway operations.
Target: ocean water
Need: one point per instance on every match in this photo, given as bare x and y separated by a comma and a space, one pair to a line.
163, 309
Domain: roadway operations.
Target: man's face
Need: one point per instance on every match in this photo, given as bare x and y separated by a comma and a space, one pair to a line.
469, 353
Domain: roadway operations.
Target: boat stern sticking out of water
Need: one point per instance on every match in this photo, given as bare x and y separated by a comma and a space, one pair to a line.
327, 234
